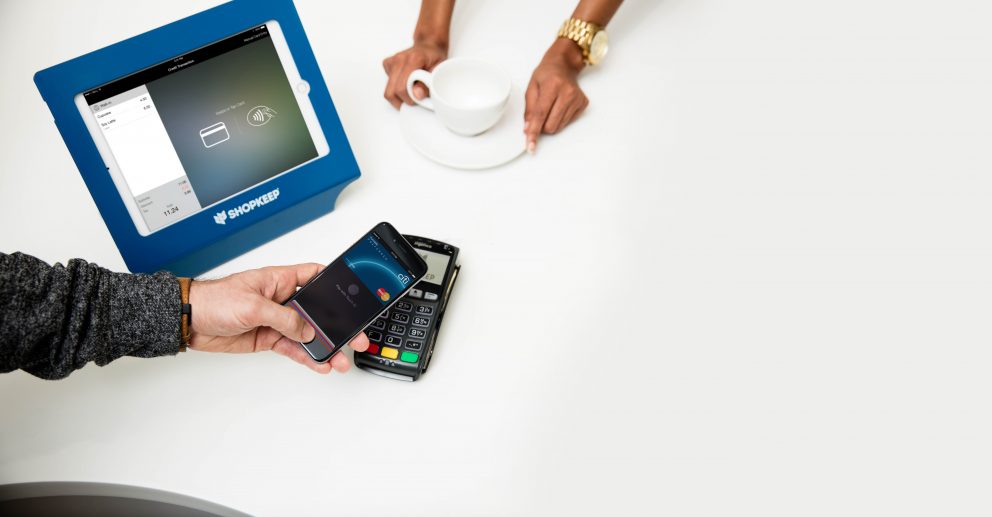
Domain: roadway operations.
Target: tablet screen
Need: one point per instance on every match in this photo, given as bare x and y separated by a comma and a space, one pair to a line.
192, 131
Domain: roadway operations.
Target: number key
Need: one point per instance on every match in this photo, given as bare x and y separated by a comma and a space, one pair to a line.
404, 306
396, 329
421, 321
378, 324
393, 341
417, 333
426, 310
401, 318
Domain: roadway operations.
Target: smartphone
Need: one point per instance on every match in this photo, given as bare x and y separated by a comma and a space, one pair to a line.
401, 340
357, 287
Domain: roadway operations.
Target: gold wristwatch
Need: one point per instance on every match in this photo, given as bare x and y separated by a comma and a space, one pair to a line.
591, 38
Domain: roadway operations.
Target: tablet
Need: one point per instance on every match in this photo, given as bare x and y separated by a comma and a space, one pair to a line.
181, 136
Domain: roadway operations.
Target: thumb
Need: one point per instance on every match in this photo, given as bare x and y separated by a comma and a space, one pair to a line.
283, 319
419, 91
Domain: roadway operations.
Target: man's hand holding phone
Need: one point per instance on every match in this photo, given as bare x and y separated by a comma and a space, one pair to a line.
354, 289
244, 313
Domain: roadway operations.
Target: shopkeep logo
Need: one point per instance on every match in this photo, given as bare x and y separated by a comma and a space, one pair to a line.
222, 216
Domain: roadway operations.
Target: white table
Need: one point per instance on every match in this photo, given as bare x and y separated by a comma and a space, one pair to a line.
753, 279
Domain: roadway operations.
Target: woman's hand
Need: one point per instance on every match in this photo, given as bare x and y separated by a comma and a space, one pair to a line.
422, 55
244, 313
553, 97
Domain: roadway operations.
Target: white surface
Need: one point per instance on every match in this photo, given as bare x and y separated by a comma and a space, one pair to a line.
503, 142
752, 279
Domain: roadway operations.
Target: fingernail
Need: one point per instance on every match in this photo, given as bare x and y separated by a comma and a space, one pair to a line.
309, 333
531, 147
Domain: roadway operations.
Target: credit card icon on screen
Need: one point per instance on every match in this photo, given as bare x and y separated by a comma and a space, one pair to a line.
215, 134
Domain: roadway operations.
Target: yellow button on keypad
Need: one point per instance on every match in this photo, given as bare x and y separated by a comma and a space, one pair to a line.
390, 353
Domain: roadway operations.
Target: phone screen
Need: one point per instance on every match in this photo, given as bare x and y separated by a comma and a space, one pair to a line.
351, 292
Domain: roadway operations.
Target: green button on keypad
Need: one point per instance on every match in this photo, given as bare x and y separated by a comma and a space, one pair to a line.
409, 357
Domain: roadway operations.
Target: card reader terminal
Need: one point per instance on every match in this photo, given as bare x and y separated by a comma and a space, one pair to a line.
401, 340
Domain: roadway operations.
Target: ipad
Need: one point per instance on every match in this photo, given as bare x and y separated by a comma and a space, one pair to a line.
183, 135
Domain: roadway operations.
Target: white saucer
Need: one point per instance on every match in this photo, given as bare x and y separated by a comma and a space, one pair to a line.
500, 144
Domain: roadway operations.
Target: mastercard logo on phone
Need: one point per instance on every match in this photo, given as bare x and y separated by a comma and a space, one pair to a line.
383, 294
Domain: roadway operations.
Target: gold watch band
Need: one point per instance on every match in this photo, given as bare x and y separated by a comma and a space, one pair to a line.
581, 32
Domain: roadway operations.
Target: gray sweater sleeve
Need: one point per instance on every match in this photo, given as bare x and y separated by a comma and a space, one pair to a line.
55, 319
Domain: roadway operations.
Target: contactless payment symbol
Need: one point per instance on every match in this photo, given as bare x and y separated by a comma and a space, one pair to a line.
260, 115
383, 294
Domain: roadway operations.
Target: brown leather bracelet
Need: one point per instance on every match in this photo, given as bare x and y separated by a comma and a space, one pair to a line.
186, 318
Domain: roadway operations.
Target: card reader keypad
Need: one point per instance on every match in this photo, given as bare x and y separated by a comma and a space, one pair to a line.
398, 335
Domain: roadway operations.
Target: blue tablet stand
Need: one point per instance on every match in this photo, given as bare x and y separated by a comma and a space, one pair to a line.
200, 242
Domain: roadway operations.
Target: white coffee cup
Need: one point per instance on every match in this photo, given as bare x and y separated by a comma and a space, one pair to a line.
468, 95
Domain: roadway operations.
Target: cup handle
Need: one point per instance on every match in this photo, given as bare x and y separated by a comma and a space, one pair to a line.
425, 77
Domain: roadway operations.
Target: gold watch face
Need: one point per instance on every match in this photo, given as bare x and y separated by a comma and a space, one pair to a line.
597, 50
